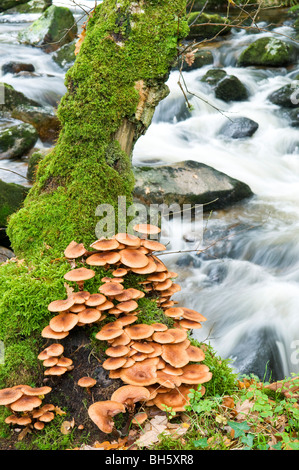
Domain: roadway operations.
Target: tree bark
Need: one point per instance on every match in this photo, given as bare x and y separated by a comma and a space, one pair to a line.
112, 90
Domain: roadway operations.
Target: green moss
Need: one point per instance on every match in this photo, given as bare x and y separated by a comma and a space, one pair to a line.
11, 198
150, 313
267, 52
200, 29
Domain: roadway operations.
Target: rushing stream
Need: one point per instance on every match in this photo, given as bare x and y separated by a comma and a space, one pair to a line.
247, 282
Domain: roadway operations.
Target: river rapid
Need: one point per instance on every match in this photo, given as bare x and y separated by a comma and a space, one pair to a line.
245, 280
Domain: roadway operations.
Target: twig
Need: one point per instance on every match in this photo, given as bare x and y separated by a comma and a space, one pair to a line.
11, 171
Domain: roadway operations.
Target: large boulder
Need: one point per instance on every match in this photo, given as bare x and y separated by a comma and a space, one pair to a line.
201, 58
17, 140
267, 51
54, 28
11, 198
188, 182
199, 27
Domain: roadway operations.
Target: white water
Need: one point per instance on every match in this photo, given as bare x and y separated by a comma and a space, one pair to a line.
247, 285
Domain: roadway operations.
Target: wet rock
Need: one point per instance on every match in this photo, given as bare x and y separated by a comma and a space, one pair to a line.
239, 128
269, 51
11, 198
286, 96
200, 29
230, 88
293, 116
17, 140
7, 4
14, 98
226, 87
16, 67
65, 56
55, 27
258, 353
43, 119
187, 182
31, 6
5, 254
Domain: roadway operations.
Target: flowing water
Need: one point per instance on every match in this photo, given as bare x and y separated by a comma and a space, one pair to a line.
247, 282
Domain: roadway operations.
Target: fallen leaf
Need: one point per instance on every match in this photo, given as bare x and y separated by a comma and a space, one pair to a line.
67, 426
242, 409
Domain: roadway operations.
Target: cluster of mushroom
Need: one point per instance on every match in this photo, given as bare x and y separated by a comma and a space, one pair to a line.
158, 364
25, 403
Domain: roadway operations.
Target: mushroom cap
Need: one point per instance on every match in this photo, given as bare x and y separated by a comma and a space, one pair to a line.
126, 320
179, 335
159, 326
74, 250
175, 355
105, 306
117, 351
133, 258
81, 296
129, 294
189, 324
139, 331
141, 373
105, 244
56, 370
89, 315
196, 374
47, 417
150, 268
95, 299
157, 277
38, 425
103, 258
195, 354
127, 306
50, 362
168, 380
153, 245
157, 349
121, 340
163, 337
61, 305
86, 382
190, 314
64, 362
119, 272
129, 394
160, 266
113, 363
23, 421
26, 403
10, 395
102, 412
128, 239
174, 312
109, 331
63, 322
79, 274
36, 391
176, 399
139, 418
55, 349
111, 289
143, 347
47, 332
147, 229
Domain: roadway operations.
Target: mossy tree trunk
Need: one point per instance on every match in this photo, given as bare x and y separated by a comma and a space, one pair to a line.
112, 90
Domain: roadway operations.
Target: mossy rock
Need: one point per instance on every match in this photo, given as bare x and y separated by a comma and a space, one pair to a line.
65, 56
7, 4
199, 29
33, 161
226, 87
14, 98
213, 76
17, 140
31, 6
11, 198
55, 27
270, 52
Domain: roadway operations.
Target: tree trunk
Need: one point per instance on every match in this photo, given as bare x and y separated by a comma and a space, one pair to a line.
112, 90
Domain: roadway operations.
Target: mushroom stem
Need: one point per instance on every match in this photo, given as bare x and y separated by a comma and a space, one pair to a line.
131, 411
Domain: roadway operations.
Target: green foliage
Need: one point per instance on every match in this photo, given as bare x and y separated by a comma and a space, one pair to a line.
150, 313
